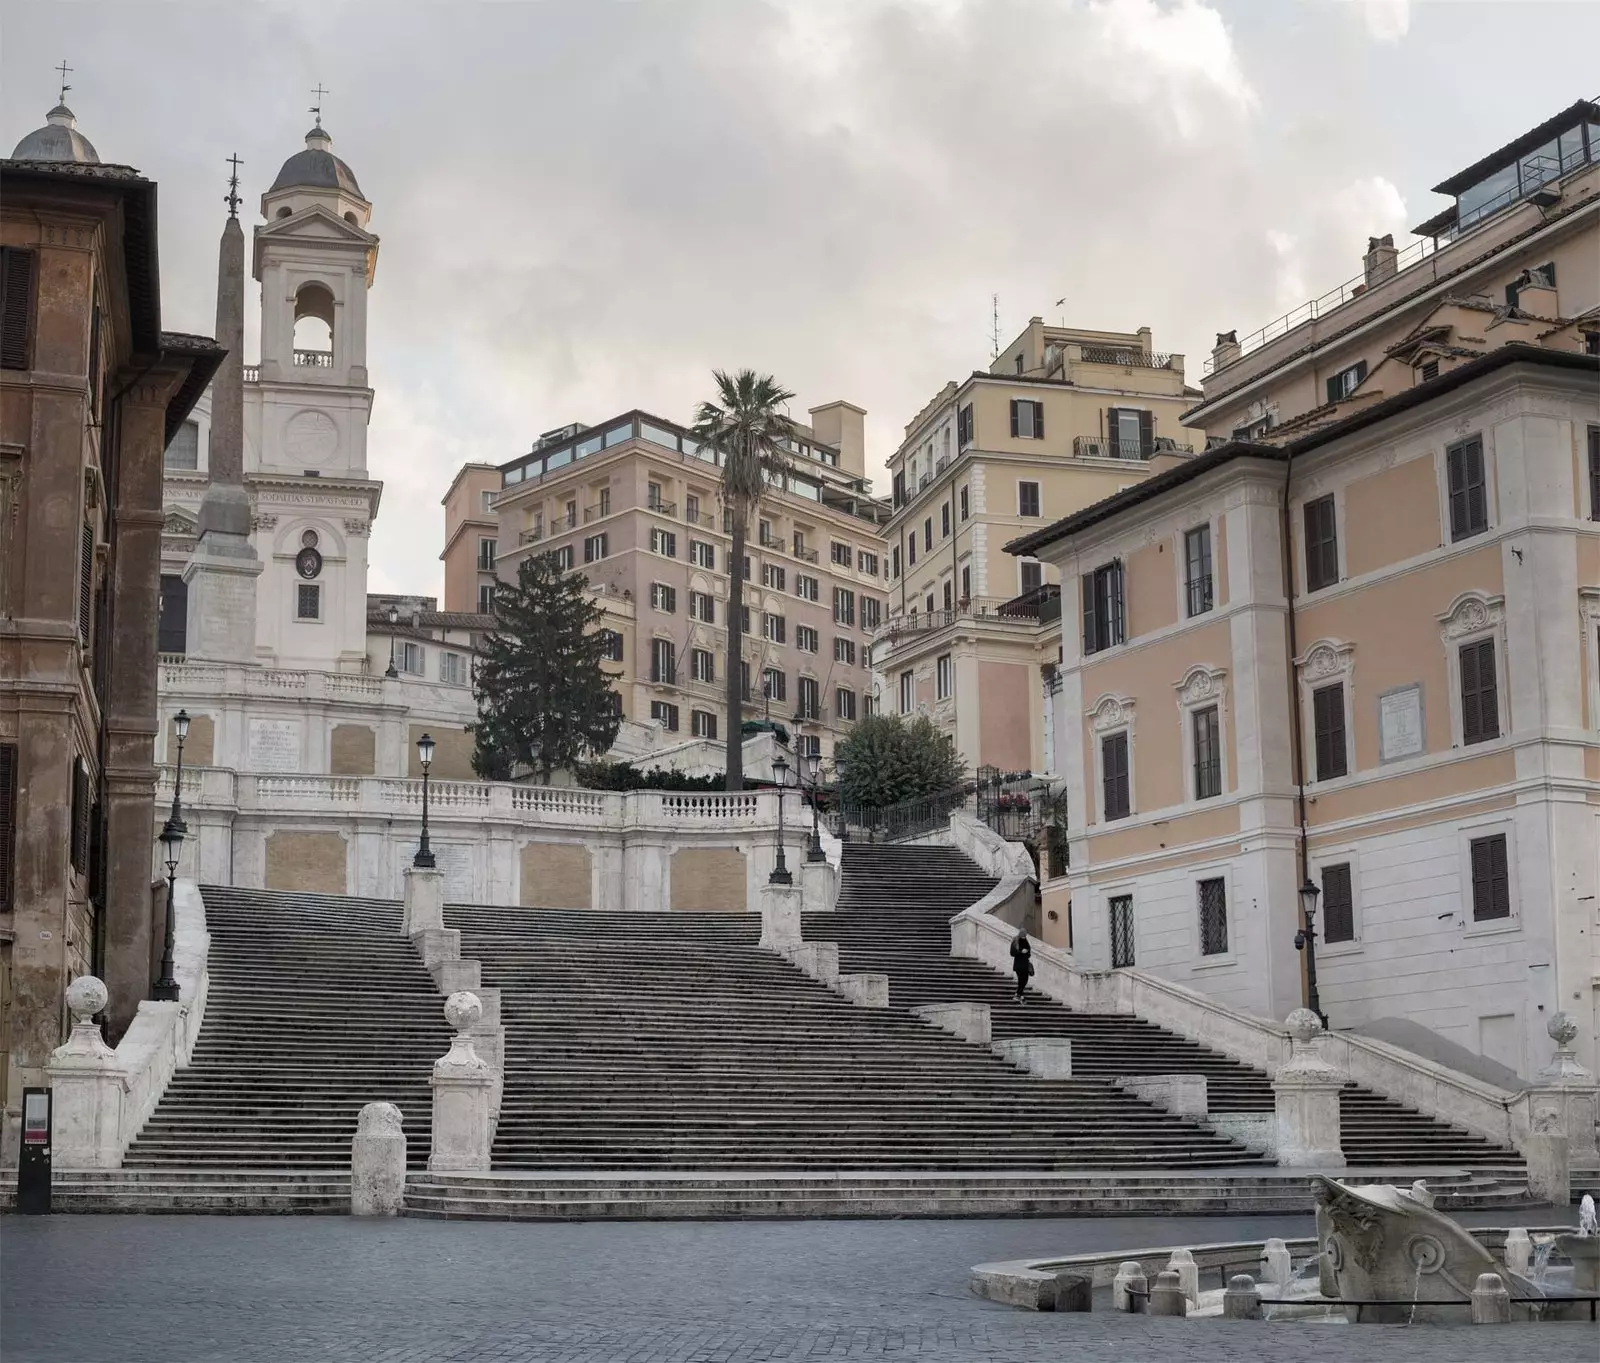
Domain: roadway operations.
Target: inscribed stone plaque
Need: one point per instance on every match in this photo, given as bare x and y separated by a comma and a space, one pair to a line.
456, 861
1400, 723
274, 745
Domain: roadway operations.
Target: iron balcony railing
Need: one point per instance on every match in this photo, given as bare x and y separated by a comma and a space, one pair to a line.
805, 555
595, 512
662, 508
1127, 358
532, 535
1101, 447
1199, 590
1041, 605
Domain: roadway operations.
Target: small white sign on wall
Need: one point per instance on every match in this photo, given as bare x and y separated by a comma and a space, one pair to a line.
1400, 732
274, 745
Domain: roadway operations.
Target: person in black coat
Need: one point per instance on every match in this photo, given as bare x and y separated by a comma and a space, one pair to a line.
1022, 962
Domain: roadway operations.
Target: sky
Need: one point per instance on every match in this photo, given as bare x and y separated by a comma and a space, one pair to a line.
586, 206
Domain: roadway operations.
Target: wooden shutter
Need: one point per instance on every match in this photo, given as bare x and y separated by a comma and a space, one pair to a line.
79, 851
16, 306
85, 583
1469, 500
1338, 909
1114, 764
1480, 696
1491, 886
1335, 388
1594, 473
1112, 427
1117, 600
1327, 708
1089, 622
1013, 418
1322, 544
8, 824
1147, 434
1038, 421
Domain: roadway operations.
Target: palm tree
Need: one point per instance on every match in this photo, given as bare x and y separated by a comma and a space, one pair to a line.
745, 429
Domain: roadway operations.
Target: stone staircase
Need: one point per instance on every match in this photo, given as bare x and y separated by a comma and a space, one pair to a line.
316, 1007
893, 915
672, 1042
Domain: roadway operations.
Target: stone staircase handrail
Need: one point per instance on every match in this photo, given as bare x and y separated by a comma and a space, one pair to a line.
996, 857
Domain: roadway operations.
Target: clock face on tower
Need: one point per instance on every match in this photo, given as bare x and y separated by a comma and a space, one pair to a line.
308, 562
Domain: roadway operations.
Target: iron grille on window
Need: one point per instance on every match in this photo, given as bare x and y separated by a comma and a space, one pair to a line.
1491, 885
1121, 931
308, 601
1207, 754
1327, 710
1322, 544
1197, 563
1480, 698
1338, 905
1469, 493
1213, 917
1114, 762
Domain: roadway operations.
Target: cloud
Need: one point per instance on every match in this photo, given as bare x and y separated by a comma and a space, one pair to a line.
1386, 21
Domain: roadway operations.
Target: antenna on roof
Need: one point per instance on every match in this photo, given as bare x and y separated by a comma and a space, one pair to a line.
63, 69
316, 108
994, 326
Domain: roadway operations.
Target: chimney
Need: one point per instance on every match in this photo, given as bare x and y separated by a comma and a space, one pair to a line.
1536, 295
1381, 260
1226, 350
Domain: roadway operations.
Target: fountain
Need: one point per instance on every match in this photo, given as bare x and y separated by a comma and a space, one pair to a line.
1583, 1248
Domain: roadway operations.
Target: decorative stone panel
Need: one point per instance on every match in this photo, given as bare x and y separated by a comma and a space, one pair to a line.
452, 753
313, 862
352, 750
556, 875
708, 880
199, 747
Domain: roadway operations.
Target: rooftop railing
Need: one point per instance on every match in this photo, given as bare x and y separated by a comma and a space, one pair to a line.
313, 359
1122, 355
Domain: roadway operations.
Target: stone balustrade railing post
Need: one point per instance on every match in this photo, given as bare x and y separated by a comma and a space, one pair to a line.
1564, 1098
819, 886
88, 1086
462, 1082
1307, 1088
780, 916
378, 1162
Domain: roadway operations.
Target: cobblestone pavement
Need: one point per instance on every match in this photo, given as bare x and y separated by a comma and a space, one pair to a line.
180, 1289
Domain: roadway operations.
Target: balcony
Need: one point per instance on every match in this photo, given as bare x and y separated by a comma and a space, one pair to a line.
595, 512
313, 359
805, 555
662, 508
1099, 447
532, 535
1040, 606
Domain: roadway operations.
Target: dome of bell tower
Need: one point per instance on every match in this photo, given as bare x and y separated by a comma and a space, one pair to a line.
317, 168
58, 140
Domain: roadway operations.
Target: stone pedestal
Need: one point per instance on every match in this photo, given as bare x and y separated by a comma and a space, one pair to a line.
1129, 1286
969, 1021
437, 946
1491, 1302
87, 1087
378, 1162
868, 988
1277, 1265
780, 916
462, 1083
423, 909
1518, 1251
1307, 1092
819, 886
1549, 1168
1049, 1057
1167, 1296
1241, 1300
1565, 1097
1182, 1094
819, 960
1182, 1263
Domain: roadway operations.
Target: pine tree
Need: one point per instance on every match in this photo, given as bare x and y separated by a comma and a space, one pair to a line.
543, 701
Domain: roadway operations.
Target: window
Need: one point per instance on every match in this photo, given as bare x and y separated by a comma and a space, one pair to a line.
691, 509
745, 560
871, 612
610, 645
1130, 432
764, 532
487, 498
571, 516
965, 505
486, 598
702, 723
1207, 754
1102, 608
652, 496
1594, 473
86, 585
1213, 916
1028, 499
808, 745
808, 703
411, 658
172, 631
806, 587
844, 703
1327, 720
927, 533
1469, 494
1019, 364
613, 702
78, 848
773, 577
183, 450
944, 677
867, 563
774, 684
594, 548
665, 714
841, 554
603, 507
844, 651
894, 562
486, 550
964, 426
799, 542
1338, 904
1346, 381
702, 607
911, 550
1030, 574
944, 521
664, 542
452, 669
899, 488
664, 598
806, 639
1480, 694
1114, 776
1322, 544
564, 558
949, 594
744, 679
703, 554
773, 627
744, 619
966, 582
702, 665
1027, 419
308, 601
869, 704
1121, 907
928, 603
16, 307
663, 661
1197, 569
1491, 885
844, 606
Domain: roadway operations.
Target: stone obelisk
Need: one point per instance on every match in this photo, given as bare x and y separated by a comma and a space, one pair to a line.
221, 574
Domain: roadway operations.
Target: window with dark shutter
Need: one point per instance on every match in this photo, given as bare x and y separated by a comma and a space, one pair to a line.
964, 425
1147, 434
1207, 754
1027, 419
8, 824
1594, 473
86, 584
1480, 693
1491, 885
1327, 710
1346, 381
80, 816
1028, 503
172, 634
16, 307
1102, 608
1338, 905
1322, 544
1114, 764
1469, 494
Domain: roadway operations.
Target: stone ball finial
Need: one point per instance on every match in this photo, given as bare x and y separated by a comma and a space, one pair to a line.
379, 1119
86, 996
1562, 1029
1303, 1025
462, 1010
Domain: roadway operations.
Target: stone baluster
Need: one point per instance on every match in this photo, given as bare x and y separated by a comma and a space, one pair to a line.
88, 1086
1307, 1091
462, 1083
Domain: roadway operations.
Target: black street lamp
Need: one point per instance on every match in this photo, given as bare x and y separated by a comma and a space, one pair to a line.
165, 989
1306, 940
424, 857
814, 852
780, 871
394, 619
180, 727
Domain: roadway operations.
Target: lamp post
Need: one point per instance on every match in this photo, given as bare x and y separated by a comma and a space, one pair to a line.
780, 871
394, 619
165, 989
1306, 940
180, 728
424, 857
814, 852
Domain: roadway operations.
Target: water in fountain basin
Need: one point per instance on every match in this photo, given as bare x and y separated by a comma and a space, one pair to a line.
1542, 1245
1587, 1225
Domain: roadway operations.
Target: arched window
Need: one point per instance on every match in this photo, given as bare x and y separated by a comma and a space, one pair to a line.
313, 326
285, 211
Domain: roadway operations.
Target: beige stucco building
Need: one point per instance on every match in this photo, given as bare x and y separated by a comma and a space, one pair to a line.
1410, 717
470, 530
632, 503
1062, 418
